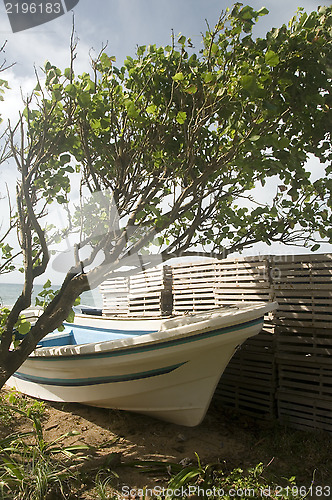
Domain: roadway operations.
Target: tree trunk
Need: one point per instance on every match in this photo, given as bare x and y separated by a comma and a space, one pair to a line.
7, 368
52, 318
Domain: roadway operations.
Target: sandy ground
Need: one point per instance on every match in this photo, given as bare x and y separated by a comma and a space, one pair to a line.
121, 438
132, 437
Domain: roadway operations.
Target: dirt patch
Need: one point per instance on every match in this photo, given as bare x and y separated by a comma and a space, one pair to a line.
129, 437
134, 437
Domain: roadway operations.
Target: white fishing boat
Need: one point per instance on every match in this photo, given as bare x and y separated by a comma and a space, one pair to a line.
164, 368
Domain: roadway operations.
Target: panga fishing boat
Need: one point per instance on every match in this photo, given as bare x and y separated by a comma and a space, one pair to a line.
164, 368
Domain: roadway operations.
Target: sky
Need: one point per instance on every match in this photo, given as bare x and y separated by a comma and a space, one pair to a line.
122, 25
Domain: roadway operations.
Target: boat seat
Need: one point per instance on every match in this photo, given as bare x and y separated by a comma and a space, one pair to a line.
55, 339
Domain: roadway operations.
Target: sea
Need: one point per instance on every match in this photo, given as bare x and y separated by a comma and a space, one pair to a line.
9, 292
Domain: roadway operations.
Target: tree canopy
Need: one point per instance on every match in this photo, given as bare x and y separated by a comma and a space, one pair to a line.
180, 143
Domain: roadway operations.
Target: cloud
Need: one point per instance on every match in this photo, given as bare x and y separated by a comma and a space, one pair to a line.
19, 86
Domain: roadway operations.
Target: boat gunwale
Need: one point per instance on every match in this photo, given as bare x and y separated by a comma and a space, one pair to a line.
142, 347
197, 327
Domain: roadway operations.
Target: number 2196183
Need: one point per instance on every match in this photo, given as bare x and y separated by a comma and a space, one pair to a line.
33, 8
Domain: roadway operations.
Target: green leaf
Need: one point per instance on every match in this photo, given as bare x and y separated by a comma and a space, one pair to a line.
141, 49
189, 215
192, 89
151, 110
65, 158
247, 12
132, 111
310, 21
13, 469
271, 58
248, 81
57, 95
4, 83
24, 327
70, 317
214, 48
84, 98
284, 142
68, 73
178, 77
105, 60
293, 193
181, 117
47, 284
71, 89
208, 77
183, 477
263, 11
61, 200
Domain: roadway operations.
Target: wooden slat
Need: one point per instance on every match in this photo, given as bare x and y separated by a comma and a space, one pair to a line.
305, 314
300, 273
310, 381
300, 323
193, 287
298, 287
286, 259
248, 293
309, 347
242, 286
305, 306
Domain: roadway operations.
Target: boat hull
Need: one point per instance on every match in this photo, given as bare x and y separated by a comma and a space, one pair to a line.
170, 374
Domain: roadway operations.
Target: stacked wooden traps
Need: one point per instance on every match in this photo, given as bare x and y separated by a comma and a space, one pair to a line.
245, 279
193, 287
289, 372
303, 289
286, 370
249, 381
148, 293
115, 296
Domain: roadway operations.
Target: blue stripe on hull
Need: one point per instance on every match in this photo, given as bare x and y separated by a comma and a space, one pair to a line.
98, 380
148, 347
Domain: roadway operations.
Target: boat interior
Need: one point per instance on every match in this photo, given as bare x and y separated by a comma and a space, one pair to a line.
76, 335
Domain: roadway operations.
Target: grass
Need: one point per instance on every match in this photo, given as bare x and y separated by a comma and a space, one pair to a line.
32, 468
14, 404
215, 482
307, 453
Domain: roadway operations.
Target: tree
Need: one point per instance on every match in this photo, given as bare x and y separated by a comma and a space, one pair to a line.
6, 255
3, 67
180, 141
